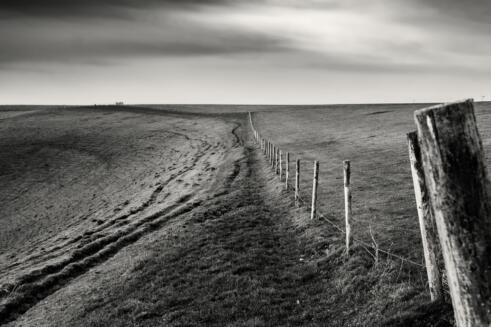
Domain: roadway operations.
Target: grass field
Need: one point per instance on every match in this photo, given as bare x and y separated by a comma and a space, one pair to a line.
373, 138
143, 216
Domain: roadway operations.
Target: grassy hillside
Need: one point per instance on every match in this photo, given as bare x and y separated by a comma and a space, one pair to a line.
143, 216
373, 137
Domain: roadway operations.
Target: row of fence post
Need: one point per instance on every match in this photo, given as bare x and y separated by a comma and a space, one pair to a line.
275, 157
450, 187
451, 190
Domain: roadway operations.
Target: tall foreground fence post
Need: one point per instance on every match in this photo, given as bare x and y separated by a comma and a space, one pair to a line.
315, 182
456, 177
287, 170
297, 183
347, 202
427, 225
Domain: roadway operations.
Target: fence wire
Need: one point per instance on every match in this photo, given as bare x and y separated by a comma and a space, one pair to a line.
366, 246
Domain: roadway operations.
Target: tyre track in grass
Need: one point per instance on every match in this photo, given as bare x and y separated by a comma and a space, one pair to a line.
119, 221
40, 283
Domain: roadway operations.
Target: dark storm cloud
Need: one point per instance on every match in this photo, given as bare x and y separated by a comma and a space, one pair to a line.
343, 35
74, 8
476, 10
145, 33
107, 48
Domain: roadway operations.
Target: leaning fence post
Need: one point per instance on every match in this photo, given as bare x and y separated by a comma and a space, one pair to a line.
314, 189
281, 164
456, 177
297, 183
426, 220
347, 202
287, 170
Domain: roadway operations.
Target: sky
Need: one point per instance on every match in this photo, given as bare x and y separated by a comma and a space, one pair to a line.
244, 52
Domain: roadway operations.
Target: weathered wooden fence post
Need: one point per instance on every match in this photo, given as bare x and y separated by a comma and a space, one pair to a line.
314, 189
297, 183
273, 154
287, 170
347, 202
277, 162
456, 178
281, 164
429, 236
274, 158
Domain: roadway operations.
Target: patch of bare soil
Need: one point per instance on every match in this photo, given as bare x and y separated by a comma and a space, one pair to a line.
239, 255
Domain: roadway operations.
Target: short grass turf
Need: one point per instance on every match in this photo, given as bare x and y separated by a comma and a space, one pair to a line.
249, 258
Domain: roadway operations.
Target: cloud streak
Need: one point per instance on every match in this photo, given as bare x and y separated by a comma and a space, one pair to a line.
363, 37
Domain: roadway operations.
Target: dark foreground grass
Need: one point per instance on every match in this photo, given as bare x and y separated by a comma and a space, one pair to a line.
248, 258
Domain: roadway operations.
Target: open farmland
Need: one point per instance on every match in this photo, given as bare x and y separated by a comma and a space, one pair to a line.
373, 138
170, 215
